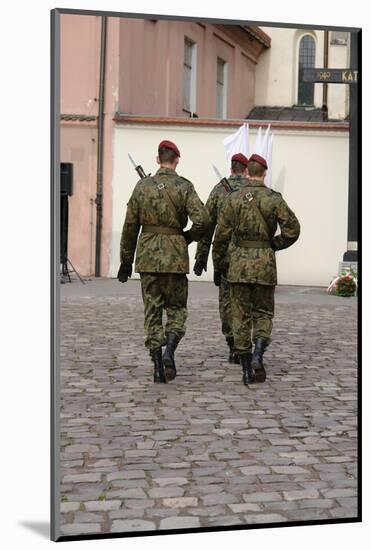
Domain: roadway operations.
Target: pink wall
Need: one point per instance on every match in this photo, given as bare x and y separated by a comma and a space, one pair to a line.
151, 67
78, 145
80, 58
80, 42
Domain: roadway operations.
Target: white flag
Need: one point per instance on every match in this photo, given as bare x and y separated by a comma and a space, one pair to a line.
258, 143
263, 147
268, 177
261, 143
237, 142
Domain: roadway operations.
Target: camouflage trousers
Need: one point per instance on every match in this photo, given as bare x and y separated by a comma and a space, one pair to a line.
163, 291
252, 307
225, 308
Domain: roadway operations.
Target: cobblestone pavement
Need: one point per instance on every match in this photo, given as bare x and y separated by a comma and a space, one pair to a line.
205, 450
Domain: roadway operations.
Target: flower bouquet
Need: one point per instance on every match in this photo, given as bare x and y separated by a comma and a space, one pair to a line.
345, 284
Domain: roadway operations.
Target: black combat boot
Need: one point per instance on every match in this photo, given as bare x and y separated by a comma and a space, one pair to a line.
172, 341
257, 359
233, 357
159, 371
248, 375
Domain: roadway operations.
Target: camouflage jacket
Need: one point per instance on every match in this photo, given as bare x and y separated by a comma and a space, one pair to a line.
214, 204
239, 220
149, 205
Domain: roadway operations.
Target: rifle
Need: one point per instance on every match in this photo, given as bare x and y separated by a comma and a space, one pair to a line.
224, 180
141, 173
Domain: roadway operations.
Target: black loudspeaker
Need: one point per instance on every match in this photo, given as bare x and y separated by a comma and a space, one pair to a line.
66, 178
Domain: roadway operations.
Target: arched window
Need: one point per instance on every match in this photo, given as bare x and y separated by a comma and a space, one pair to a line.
307, 56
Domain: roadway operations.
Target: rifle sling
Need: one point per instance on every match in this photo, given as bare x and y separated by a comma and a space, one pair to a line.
257, 211
162, 187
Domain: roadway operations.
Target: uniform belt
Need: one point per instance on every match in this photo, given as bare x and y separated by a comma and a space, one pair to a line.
162, 229
243, 243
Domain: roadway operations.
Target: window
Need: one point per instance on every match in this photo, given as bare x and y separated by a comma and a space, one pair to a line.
221, 88
307, 55
189, 76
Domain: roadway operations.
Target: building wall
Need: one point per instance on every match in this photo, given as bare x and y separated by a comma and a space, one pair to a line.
80, 60
338, 94
277, 70
309, 167
80, 43
152, 53
78, 145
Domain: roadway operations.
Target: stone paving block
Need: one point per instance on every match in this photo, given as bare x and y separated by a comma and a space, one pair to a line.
180, 522
262, 497
340, 493
129, 484
265, 518
126, 493
245, 507
300, 495
220, 498
125, 513
88, 517
80, 528
82, 478
225, 521
166, 481
290, 470
102, 505
66, 507
180, 502
126, 474
141, 503
163, 492
255, 470
318, 503
124, 526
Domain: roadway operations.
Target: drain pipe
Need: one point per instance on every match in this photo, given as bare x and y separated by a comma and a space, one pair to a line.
99, 195
325, 66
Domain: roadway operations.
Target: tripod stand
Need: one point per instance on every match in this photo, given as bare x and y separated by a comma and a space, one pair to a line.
66, 272
65, 261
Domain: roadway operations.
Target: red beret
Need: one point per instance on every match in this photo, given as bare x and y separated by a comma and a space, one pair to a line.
260, 160
240, 158
170, 145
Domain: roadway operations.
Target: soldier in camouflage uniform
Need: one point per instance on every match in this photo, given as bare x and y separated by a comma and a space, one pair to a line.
161, 205
246, 228
214, 204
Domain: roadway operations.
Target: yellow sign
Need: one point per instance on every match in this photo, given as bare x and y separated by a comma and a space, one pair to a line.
349, 76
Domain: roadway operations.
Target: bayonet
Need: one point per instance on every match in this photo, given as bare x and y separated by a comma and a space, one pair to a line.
141, 173
224, 180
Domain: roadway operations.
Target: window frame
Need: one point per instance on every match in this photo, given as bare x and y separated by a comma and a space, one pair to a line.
299, 80
224, 63
191, 108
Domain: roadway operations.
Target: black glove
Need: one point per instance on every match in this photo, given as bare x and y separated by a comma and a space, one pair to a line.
187, 236
199, 267
217, 278
124, 272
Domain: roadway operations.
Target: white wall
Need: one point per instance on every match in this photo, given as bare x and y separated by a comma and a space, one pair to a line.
277, 68
338, 94
310, 168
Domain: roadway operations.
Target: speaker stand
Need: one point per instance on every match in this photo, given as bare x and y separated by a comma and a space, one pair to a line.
66, 271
